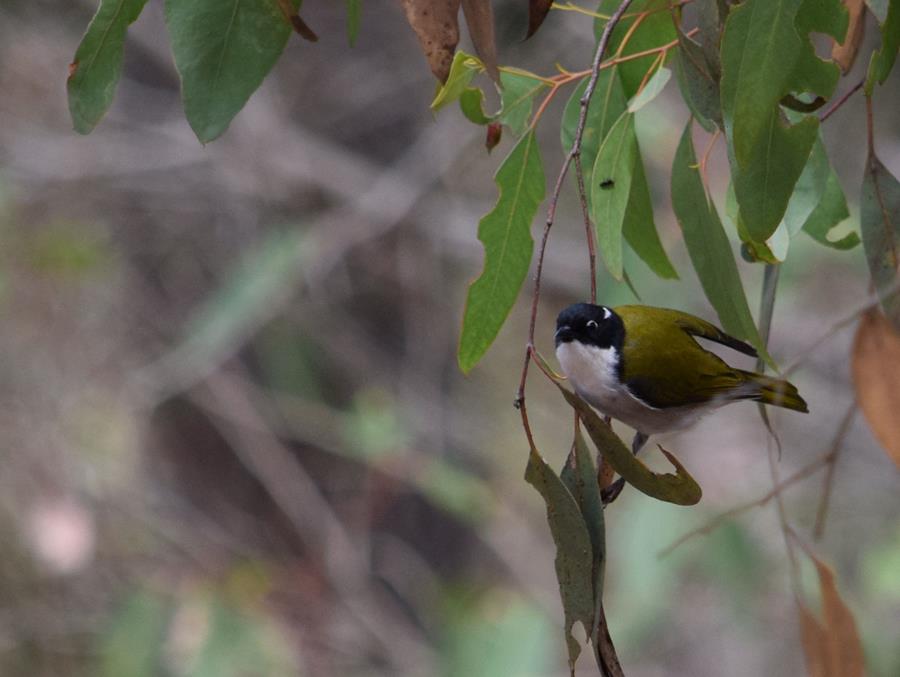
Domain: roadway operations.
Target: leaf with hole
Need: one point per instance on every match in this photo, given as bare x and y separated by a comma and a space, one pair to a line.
505, 233
97, 66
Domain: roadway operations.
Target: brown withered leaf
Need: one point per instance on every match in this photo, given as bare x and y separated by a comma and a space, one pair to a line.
845, 54
436, 25
537, 12
832, 645
876, 375
480, 20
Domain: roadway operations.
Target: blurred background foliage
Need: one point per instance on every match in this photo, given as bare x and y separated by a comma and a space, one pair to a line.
234, 438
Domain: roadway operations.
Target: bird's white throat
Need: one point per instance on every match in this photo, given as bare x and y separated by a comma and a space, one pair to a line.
591, 369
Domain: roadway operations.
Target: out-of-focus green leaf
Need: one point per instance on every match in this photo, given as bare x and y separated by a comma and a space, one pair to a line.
132, 648
223, 50
516, 98
651, 90
879, 222
480, 22
680, 488
354, 15
505, 233
574, 561
831, 211
95, 70
882, 61
610, 189
809, 189
823, 16
708, 246
764, 58
471, 102
607, 105
699, 88
879, 9
655, 30
462, 70
580, 477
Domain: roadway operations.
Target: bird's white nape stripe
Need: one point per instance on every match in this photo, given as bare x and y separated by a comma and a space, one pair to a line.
606, 313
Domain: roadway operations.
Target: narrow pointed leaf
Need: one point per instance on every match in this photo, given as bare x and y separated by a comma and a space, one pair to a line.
436, 23
516, 98
708, 246
462, 70
879, 222
354, 16
699, 87
680, 488
876, 375
830, 212
505, 233
580, 477
223, 50
95, 70
574, 560
639, 228
610, 189
480, 20
882, 61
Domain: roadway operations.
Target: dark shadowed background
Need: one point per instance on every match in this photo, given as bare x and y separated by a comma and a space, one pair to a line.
233, 437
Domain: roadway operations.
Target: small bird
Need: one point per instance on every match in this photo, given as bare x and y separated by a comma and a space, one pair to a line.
643, 366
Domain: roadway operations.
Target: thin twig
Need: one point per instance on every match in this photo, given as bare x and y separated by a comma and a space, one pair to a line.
841, 101
710, 526
837, 445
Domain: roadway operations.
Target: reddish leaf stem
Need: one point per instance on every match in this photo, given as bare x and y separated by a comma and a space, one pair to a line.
841, 101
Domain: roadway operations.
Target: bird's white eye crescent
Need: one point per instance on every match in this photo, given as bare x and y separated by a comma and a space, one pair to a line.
591, 324
606, 313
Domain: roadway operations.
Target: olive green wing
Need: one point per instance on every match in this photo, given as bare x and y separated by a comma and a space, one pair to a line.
664, 366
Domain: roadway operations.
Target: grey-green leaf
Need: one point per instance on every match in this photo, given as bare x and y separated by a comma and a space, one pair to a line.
611, 188
506, 234
830, 212
574, 559
880, 225
708, 246
354, 15
639, 228
223, 50
516, 98
95, 70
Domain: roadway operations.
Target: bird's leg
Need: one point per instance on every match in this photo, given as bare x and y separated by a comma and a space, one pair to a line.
611, 493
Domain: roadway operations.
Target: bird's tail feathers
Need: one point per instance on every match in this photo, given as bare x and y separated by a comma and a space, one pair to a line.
777, 392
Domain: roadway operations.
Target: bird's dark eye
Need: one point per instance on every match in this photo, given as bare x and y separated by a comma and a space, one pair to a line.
591, 324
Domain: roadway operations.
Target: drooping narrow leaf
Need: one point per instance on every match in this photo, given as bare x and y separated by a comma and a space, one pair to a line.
610, 189
354, 15
655, 30
537, 12
809, 189
879, 221
680, 488
883, 60
830, 212
223, 50
708, 246
95, 70
505, 233
480, 20
607, 105
651, 90
436, 24
516, 98
767, 54
580, 477
876, 376
574, 560
699, 86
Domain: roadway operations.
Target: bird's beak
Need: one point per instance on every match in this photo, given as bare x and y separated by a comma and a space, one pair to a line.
563, 334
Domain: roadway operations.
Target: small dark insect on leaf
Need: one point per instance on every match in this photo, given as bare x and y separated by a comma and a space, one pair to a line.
606, 184
494, 133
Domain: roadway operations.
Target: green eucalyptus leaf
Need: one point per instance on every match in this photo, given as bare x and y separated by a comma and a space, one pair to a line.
516, 99
680, 488
463, 68
354, 15
708, 246
580, 477
883, 60
471, 103
809, 189
95, 70
223, 50
574, 559
611, 188
505, 233
699, 87
831, 211
879, 222
639, 227
655, 30
651, 90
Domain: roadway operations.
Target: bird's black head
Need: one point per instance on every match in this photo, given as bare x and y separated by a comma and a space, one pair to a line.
589, 324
